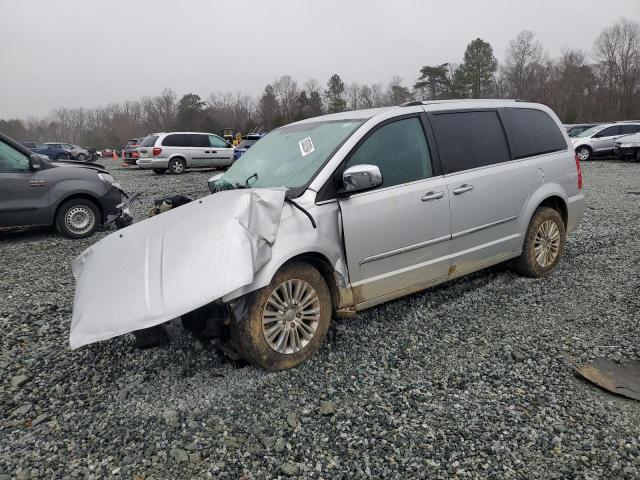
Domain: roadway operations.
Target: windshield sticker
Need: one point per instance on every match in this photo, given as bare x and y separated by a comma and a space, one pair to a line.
306, 146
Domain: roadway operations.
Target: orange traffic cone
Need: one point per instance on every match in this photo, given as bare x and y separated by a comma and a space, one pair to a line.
115, 157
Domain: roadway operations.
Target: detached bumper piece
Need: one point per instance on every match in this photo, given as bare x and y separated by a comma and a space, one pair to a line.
620, 379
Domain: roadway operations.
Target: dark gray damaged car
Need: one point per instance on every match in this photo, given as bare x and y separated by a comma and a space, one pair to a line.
76, 198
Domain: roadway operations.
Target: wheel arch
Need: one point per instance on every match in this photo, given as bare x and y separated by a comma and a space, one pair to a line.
322, 264
83, 195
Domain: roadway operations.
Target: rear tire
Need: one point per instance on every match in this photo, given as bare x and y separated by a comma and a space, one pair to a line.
636, 158
177, 166
543, 244
159, 171
61, 156
77, 218
293, 312
584, 153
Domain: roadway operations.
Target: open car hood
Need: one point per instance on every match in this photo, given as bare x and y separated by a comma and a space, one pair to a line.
172, 263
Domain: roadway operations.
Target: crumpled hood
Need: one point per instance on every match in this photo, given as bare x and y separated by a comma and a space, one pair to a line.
173, 263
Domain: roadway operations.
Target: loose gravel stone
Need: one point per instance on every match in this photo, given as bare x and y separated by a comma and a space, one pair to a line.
424, 387
289, 469
327, 408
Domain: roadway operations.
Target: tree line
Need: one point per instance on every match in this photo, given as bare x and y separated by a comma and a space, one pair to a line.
602, 85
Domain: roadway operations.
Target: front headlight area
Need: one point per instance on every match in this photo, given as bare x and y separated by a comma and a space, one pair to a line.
106, 178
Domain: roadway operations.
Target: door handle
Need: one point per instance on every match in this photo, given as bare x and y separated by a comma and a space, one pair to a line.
463, 189
207, 151
213, 151
432, 196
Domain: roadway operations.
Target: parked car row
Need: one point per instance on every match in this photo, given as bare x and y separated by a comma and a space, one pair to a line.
63, 151
601, 139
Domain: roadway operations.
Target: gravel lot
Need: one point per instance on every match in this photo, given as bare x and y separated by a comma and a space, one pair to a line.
467, 379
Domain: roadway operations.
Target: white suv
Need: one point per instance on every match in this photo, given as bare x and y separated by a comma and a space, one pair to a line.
601, 138
177, 151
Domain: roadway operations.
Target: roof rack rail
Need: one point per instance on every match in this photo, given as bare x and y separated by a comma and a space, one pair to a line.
412, 103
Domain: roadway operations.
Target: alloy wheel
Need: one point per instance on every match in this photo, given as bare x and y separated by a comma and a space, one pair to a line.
291, 316
547, 243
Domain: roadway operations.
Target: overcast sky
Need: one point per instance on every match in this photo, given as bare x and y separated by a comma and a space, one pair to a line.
88, 52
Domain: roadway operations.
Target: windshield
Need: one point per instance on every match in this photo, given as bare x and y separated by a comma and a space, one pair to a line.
590, 131
289, 156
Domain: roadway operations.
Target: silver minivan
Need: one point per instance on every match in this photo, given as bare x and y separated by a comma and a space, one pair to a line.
335, 214
177, 151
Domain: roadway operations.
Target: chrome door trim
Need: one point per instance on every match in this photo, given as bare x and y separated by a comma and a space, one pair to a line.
406, 249
482, 227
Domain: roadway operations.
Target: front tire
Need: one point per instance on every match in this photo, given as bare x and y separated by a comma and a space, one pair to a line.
543, 244
287, 321
584, 153
177, 166
77, 218
81, 157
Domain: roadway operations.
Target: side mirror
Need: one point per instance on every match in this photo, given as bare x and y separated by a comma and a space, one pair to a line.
212, 181
360, 177
36, 162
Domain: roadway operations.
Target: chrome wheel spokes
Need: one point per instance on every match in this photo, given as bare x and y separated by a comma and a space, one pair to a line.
546, 243
290, 317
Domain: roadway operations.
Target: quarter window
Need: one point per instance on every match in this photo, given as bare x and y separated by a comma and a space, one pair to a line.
12, 160
469, 140
532, 132
399, 150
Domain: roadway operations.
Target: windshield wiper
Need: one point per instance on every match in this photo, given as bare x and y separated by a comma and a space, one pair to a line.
246, 182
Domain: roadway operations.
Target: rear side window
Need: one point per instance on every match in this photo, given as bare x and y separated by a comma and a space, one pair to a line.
609, 132
149, 141
469, 140
175, 140
627, 129
532, 132
399, 150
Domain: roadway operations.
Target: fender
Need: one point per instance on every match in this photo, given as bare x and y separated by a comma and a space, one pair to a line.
543, 192
65, 189
296, 238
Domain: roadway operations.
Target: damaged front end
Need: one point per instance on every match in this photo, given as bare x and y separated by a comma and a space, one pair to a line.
172, 264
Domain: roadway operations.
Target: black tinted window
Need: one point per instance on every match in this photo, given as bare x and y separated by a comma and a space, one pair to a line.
175, 140
627, 129
199, 141
532, 132
609, 131
399, 150
469, 140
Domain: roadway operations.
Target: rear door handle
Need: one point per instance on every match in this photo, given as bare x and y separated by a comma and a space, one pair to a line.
432, 196
207, 151
463, 189
214, 151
